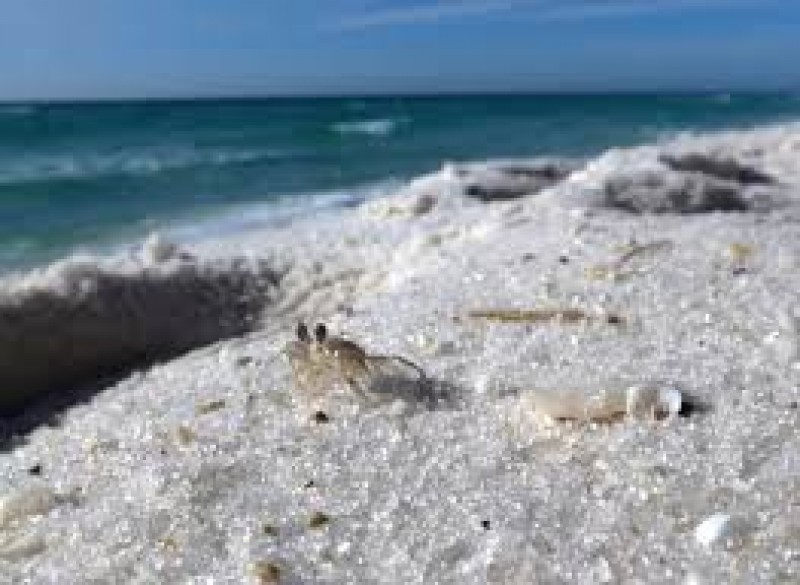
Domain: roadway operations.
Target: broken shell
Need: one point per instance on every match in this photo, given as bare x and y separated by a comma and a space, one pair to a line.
35, 501
659, 402
721, 528
15, 547
641, 400
711, 529
572, 404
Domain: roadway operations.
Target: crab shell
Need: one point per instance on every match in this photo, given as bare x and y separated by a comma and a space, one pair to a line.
636, 401
310, 374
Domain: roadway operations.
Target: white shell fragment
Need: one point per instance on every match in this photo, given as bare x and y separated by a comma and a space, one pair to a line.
713, 529
16, 542
18, 506
655, 401
15, 547
636, 401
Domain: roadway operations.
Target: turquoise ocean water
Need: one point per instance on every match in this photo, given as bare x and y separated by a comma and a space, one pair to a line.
90, 176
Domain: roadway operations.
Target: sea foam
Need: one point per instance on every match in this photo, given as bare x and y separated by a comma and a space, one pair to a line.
72, 166
374, 127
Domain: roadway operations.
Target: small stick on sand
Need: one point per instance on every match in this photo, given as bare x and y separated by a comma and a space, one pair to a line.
569, 316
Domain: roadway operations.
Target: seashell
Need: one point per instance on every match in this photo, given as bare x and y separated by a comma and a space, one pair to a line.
657, 401
22, 504
636, 401
722, 528
17, 547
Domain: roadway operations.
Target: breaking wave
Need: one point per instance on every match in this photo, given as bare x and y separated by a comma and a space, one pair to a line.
371, 127
243, 217
42, 168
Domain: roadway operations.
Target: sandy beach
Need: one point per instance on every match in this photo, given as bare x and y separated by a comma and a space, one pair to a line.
173, 445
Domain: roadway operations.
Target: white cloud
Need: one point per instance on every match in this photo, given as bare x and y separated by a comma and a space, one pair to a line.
426, 13
431, 13
613, 9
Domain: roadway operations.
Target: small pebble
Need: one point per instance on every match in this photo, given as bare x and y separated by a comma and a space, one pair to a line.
185, 435
318, 520
168, 543
266, 572
738, 252
210, 406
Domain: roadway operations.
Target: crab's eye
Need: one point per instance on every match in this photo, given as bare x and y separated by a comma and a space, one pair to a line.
320, 332
302, 332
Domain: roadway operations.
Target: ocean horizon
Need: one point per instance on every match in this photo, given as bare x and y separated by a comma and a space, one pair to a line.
97, 175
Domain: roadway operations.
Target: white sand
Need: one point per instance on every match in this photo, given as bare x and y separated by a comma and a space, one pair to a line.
199, 469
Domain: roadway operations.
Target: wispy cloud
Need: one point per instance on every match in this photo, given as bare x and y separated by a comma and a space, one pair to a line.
426, 13
609, 9
431, 13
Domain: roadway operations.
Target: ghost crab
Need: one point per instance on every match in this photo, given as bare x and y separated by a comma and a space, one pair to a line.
323, 361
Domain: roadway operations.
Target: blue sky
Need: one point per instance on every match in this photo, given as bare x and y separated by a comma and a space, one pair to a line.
147, 48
